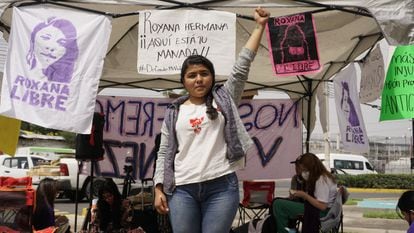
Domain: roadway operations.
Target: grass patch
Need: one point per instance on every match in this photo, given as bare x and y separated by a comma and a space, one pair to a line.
352, 201
386, 214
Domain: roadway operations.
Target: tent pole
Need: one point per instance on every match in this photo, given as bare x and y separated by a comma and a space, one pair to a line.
412, 145
308, 133
76, 195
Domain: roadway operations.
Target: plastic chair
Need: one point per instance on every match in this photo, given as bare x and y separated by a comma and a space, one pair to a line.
257, 199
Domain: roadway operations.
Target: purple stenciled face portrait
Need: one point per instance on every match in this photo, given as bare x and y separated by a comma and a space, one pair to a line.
348, 106
54, 49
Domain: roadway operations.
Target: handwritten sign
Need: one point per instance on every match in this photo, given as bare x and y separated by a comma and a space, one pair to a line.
167, 37
372, 76
397, 101
292, 43
132, 124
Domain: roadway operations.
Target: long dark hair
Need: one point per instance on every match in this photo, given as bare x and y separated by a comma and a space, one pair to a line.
201, 60
46, 193
44, 209
109, 213
406, 201
316, 169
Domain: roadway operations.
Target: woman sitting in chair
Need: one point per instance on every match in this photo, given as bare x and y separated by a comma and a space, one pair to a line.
319, 195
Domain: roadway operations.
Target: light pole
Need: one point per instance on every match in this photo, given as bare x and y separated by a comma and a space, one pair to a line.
388, 147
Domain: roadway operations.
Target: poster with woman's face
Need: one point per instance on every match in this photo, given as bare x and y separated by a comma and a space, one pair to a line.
53, 66
351, 125
293, 44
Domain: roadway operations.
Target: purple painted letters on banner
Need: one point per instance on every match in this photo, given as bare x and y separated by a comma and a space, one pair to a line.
132, 124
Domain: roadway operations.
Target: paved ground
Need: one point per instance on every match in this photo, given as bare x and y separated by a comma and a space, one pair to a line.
353, 222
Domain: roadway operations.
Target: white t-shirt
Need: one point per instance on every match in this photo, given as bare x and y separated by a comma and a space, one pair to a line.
325, 190
202, 149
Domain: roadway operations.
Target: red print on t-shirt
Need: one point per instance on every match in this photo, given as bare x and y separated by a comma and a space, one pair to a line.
195, 124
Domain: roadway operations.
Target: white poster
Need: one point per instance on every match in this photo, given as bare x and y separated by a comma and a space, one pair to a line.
53, 67
372, 76
351, 124
167, 37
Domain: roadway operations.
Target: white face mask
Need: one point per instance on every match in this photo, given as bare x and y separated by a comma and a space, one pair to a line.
305, 175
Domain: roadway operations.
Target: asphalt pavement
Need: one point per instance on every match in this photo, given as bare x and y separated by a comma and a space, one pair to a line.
353, 221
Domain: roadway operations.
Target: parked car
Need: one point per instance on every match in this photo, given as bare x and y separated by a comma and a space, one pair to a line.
349, 164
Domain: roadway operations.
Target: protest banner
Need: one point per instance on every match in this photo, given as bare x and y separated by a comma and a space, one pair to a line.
372, 76
351, 123
132, 125
167, 37
397, 99
293, 45
53, 66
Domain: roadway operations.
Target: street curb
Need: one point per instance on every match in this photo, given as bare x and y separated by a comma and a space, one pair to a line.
369, 190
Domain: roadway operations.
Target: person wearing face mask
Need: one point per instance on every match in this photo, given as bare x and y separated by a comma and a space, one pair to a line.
319, 194
405, 208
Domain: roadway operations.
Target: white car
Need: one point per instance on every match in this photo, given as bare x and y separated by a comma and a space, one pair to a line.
18, 165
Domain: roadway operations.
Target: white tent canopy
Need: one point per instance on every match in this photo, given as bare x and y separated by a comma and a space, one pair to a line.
346, 29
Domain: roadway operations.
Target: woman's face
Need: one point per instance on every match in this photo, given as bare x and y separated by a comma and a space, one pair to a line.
197, 80
49, 45
108, 197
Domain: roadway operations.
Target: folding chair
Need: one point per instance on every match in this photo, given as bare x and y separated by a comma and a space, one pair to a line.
333, 221
257, 198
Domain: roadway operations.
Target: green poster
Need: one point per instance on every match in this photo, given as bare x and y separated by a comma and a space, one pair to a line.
397, 100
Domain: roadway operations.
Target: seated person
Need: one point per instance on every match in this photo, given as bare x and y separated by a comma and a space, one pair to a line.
405, 209
297, 182
113, 214
319, 194
44, 213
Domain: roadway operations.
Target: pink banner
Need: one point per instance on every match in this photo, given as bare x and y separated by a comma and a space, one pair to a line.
293, 45
131, 125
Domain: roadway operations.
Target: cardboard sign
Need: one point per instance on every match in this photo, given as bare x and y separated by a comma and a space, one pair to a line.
167, 37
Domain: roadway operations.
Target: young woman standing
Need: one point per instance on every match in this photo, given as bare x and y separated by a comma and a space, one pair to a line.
203, 143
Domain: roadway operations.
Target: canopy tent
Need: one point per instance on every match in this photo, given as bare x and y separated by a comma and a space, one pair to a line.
345, 30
